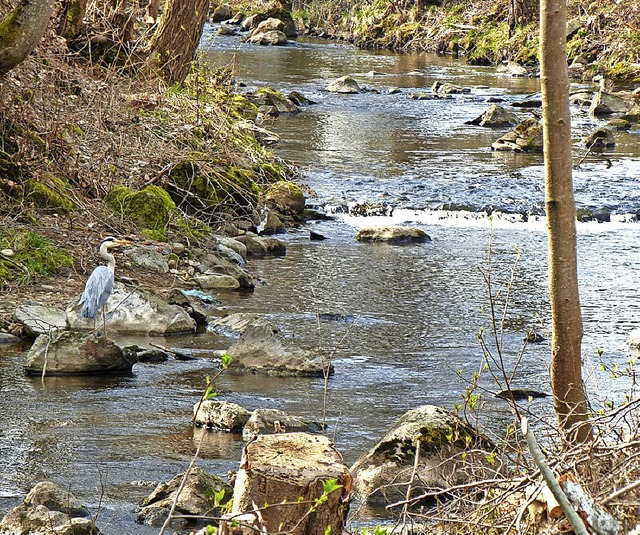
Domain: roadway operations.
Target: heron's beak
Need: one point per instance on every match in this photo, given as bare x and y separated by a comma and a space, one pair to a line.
123, 242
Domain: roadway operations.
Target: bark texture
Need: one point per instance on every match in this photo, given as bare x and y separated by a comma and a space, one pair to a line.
21, 31
174, 43
566, 362
72, 18
286, 472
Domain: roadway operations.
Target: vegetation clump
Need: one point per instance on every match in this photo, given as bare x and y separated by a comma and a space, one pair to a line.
26, 256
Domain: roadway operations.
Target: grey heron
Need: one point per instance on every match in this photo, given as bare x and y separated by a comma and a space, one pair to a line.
100, 283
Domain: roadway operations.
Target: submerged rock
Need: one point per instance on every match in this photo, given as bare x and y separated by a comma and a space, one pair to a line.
383, 473
134, 310
526, 137
271, 421
496, 116
394, 235
345, 84
196, 498
74, 353
38, 319
49, 509
220, 415
263, 349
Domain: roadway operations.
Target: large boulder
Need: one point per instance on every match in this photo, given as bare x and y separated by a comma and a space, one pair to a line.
526, 137
267, 96
148, 257
263, 349
270, 421
217, 282
285, 197
345, 84
607, 104
233, 324
495, 117
393, 235
383, 473
134, 310
37, 319
220, 415
74, 353
48, 509
196, 498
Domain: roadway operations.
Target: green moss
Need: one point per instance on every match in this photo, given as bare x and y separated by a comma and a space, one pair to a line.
49, 191
34, 256
10, 29
623, 71
150, 207
191, 228
154, 234
286, 197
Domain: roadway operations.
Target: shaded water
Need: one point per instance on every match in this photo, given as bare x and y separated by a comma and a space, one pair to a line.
411, 314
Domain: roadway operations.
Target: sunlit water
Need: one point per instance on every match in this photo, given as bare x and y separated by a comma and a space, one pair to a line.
408, 316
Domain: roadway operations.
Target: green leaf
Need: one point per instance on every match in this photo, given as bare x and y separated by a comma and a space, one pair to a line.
330, 485
218, 497
225, 360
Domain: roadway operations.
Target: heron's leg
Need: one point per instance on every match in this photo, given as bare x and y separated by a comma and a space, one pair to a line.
104, 320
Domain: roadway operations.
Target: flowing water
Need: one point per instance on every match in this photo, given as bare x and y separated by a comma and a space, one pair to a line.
400, 323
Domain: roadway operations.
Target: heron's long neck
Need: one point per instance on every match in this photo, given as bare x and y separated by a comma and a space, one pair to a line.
104, 253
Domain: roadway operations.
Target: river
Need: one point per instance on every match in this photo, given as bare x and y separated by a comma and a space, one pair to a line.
406, 319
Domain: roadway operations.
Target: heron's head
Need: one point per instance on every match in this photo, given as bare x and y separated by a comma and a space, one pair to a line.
110, 242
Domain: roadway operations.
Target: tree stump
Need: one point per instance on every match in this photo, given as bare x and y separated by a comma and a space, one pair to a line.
279, 487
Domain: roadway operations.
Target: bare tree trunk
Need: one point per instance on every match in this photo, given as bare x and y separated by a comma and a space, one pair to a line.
176, 40
72, 17
21, 31
566, 361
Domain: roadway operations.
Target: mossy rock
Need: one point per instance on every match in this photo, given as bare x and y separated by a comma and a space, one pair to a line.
286, 197
150, 207
49, 191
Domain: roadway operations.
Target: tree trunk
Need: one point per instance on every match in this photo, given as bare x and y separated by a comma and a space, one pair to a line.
283, 475
72, 17
21, 31
566, 362
176, 40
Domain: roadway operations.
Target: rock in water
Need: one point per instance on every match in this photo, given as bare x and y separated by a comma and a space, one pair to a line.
346, 84
394, 235
496, 116
382, 474
196, 498
600, 138
220, 415
526, 137
134, 310
262, 349
48, 509
291, 467
73, 353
